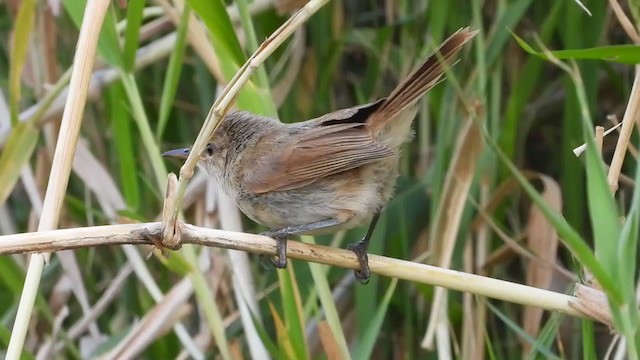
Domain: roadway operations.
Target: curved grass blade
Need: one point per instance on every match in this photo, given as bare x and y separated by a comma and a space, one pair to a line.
626, 54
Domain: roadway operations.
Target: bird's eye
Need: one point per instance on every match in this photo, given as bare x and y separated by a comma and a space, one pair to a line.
210, 149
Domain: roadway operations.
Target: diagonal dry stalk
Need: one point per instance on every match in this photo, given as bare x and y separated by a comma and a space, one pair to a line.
628, 121
146, 233
61, 168
171, 236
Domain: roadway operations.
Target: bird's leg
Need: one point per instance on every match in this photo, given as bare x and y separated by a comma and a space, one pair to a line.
281, 235
360, 249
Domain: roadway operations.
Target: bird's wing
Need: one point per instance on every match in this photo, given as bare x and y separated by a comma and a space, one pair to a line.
317, 152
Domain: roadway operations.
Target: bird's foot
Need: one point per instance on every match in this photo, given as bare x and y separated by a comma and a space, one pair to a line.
360, 249
280, 260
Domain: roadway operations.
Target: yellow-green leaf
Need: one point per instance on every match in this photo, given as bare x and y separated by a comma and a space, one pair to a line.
21, 35
15, 155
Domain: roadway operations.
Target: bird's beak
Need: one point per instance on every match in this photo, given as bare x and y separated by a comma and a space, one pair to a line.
177, 153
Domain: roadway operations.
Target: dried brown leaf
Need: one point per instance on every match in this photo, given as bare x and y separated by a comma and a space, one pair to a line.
329, 343
543, 243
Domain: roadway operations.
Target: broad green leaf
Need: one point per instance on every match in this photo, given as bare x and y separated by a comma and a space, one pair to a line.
108, 43
16, 153
626, 54
602, 206
214, 14
134, 20
603, 211
21, 37
230, 55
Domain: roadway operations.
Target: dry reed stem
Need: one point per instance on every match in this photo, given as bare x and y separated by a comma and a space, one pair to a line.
71, 120
145, 233
599, 139
629, 119
580, 149
626, 24
220, 107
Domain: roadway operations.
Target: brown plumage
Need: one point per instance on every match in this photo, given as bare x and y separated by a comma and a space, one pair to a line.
332, 172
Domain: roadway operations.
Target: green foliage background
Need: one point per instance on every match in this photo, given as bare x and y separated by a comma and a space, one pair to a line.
350, 52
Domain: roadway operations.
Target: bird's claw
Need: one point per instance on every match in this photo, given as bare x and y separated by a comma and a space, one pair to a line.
360, 249
280, 260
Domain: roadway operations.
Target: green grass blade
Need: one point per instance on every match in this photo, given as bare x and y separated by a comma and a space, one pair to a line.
293, 314
108, 43
567, 234
214, 15
539, 347
603, 210
170, 86
11, 276
510, 18
588, 341
625, 54
15, 155
124, 144
370, 337
271, 347
548, 333
524, 87
230, 55
262, 80
21, 40
207, 301
326, 299
134, 20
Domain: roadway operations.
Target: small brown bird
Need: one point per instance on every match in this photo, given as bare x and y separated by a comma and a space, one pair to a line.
330, 173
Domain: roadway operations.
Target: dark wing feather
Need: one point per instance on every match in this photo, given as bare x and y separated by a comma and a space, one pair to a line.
316, 153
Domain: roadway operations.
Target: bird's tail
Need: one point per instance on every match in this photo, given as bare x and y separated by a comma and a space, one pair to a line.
421, 80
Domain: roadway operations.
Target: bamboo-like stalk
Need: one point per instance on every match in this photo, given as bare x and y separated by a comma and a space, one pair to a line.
145, 233
61, 168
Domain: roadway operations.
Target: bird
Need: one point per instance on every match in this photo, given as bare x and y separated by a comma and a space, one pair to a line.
334, 172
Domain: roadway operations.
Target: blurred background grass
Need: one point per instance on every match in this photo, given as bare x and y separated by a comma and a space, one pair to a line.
159, 69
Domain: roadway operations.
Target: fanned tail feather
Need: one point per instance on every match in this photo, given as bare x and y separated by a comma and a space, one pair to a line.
421, 80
